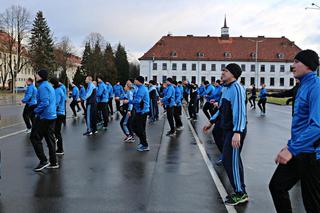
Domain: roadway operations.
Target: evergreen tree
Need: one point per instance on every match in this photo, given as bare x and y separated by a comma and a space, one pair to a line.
96, 58
109, 65
134, 70
79, 77
122, 64
41, 45
85, 62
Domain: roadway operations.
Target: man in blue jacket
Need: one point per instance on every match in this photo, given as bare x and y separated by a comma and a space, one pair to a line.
30, 101
110, 102
103, 97
141, 104
299, 160
82, 97
118, 92
75, 98
44, 125
169, 101
232, 115
60, 104
177, 111
91, 106
262, 99
208, 94
64, 89
201, 94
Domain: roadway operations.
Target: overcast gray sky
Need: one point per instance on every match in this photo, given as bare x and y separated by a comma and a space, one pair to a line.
138, 24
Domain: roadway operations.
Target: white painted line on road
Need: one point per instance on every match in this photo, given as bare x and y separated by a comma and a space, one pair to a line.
222, 191
12, 134
15, 124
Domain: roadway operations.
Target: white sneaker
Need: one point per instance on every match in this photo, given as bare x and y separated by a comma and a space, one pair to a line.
28, 131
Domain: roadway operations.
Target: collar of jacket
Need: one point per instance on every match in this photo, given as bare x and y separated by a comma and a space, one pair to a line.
307, 77
228, 85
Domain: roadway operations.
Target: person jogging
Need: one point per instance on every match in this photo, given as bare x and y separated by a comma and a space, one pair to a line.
103, 98
118, 92
91, 106
153, 93
208, 94
177, 109
263, 99
30, 101
82, 95
110, 103
45, 116
75, 98
127, 114
60, 107
169, 101
141, 106
299, 160
232, 112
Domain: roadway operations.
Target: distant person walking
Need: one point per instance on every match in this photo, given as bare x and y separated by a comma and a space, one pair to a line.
263, 99
30, 101
252, 98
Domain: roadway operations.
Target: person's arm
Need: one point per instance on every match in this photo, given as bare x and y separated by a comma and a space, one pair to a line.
309, 135
89, 91
167, 96
27, 95
130, 98
238, 110
58, 98
284, 94
44, 100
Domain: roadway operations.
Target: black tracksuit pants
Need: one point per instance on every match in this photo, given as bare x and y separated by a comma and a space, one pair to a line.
83, 106
28, 115
262, 104
44, 129
57, 131
176, 114
139, 122
170, 118
91, 117
103, 109
306, 168
208, 106
110, 106
73, 105
252, 101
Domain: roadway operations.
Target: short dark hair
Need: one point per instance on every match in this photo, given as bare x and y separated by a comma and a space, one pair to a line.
206, 82
218, 81
30, 79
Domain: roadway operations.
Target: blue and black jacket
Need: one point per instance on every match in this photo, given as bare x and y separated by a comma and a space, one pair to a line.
232, 108
306, 117
263, 93
209, 92
102, 93
46, 102
91, 93
82, 93
169, 98
60, 100
202, 90
30, 96
75, 93
141, 101
178, 96
118, 90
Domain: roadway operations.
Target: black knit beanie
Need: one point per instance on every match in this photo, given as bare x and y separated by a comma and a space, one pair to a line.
43, 74
309, 58
235, 69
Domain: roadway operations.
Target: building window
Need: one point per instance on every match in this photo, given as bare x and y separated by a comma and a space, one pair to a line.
272, 68
252, 80
203, 78
261, 80
203, 67
253, 55
243, 80
200, 54
281, 82
164, 78
154, 66
213, 79
253, 68
213, 67
227, 54
281, 68
271, 81
262, 68
174, 77
193, 79
184, 67
243, 67
173, 54
223, 66
155, 78
184, 78
164, 66
291, 81
174, 66
146, 78
194, 67
280, 55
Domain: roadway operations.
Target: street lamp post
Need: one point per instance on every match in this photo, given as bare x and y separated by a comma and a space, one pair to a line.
313, 7
256, 59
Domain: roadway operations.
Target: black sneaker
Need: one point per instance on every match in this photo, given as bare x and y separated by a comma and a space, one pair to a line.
41, 166
235, 199
171, 133
53, 166
59, 152
87, 133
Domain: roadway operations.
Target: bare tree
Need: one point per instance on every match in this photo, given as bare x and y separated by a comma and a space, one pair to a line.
63, 52
15, 22
95, 38
4, 71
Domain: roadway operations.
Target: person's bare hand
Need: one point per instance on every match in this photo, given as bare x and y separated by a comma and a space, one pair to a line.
284, 156
236, 140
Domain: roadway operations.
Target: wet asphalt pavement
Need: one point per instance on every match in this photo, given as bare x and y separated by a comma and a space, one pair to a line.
103, 174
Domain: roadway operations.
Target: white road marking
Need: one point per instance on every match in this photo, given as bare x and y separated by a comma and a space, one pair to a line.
12, 134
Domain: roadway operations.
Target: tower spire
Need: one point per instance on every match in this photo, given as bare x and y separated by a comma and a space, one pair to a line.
225, 21
225, 29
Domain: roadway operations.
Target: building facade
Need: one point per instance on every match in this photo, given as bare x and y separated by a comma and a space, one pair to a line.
199, 58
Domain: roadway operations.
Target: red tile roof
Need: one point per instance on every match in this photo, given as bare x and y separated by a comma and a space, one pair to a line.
216, 49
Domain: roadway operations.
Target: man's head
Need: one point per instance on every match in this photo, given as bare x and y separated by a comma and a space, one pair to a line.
55, 82
231, 73
217, 83
29, 81
88, 79
100, 79
206, 83
179, 83
175, 83
263, 85
72, 84
169, 81
139, 80
304, 62
42, 75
